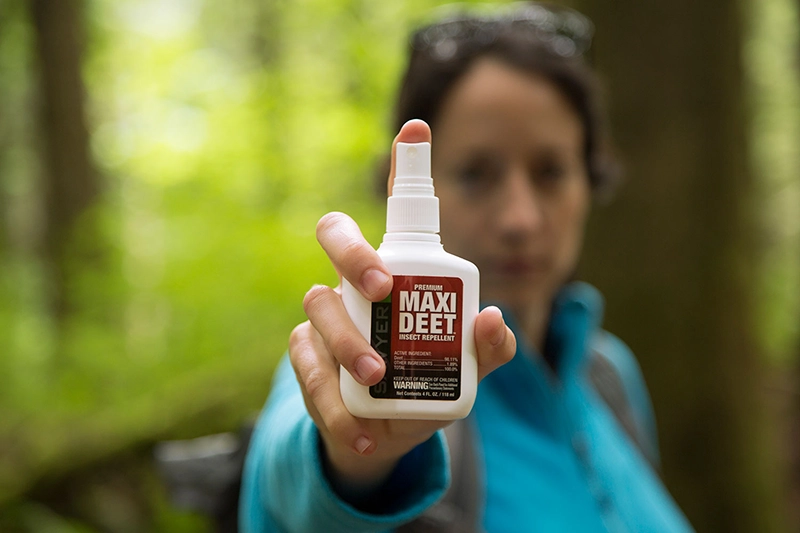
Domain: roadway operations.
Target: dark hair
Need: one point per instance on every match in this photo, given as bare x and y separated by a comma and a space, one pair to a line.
430, 76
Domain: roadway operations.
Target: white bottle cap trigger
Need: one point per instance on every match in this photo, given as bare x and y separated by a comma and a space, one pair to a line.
412, 207
413, 160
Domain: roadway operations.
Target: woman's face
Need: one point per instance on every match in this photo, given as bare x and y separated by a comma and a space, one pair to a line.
512, 183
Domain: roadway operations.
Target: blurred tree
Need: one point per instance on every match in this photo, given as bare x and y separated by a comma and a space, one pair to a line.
675, 252
14, 134
70, 181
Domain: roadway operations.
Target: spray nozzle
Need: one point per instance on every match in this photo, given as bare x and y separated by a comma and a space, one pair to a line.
412, 207
413, 160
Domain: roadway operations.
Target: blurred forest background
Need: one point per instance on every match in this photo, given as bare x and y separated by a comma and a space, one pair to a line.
163, 165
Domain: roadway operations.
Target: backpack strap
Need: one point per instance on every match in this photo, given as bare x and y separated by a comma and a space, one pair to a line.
459, 511
607, 379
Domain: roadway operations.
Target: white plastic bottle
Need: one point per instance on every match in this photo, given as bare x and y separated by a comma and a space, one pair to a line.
424, 330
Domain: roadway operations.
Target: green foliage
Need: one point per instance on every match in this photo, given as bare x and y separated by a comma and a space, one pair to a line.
771, 57
26, 517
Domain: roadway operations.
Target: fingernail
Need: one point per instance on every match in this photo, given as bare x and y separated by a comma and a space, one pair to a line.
362, 444
365, 367
374, 280
499, 335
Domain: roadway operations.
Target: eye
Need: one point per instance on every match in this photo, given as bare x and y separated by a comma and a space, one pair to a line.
549, 169
479, 175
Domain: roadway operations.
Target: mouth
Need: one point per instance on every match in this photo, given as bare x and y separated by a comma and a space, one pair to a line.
522, 266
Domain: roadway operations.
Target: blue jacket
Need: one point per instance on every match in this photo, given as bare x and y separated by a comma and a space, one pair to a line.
554, 456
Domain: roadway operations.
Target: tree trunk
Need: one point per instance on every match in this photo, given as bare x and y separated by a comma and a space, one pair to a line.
10, 16
673, 253
70, 182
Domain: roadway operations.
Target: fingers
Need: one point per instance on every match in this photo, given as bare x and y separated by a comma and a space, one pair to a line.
413, 131
349, 348
353, 257
494, 340
318, 375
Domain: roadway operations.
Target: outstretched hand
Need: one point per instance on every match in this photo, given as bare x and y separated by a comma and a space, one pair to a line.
361, 453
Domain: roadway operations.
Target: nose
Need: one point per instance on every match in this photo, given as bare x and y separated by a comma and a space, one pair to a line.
521, 214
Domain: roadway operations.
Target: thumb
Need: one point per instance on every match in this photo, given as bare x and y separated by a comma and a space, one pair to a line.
495, 342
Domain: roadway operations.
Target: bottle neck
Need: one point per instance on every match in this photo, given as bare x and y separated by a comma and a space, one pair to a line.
412, 236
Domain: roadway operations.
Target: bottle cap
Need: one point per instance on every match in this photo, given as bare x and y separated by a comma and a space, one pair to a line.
412, 207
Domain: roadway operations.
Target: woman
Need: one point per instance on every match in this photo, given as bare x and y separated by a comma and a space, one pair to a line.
518, 155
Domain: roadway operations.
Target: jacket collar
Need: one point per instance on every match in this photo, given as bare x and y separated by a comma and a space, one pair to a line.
576, 315
526, 384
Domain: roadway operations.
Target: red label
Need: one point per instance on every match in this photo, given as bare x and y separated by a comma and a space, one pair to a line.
418, 333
